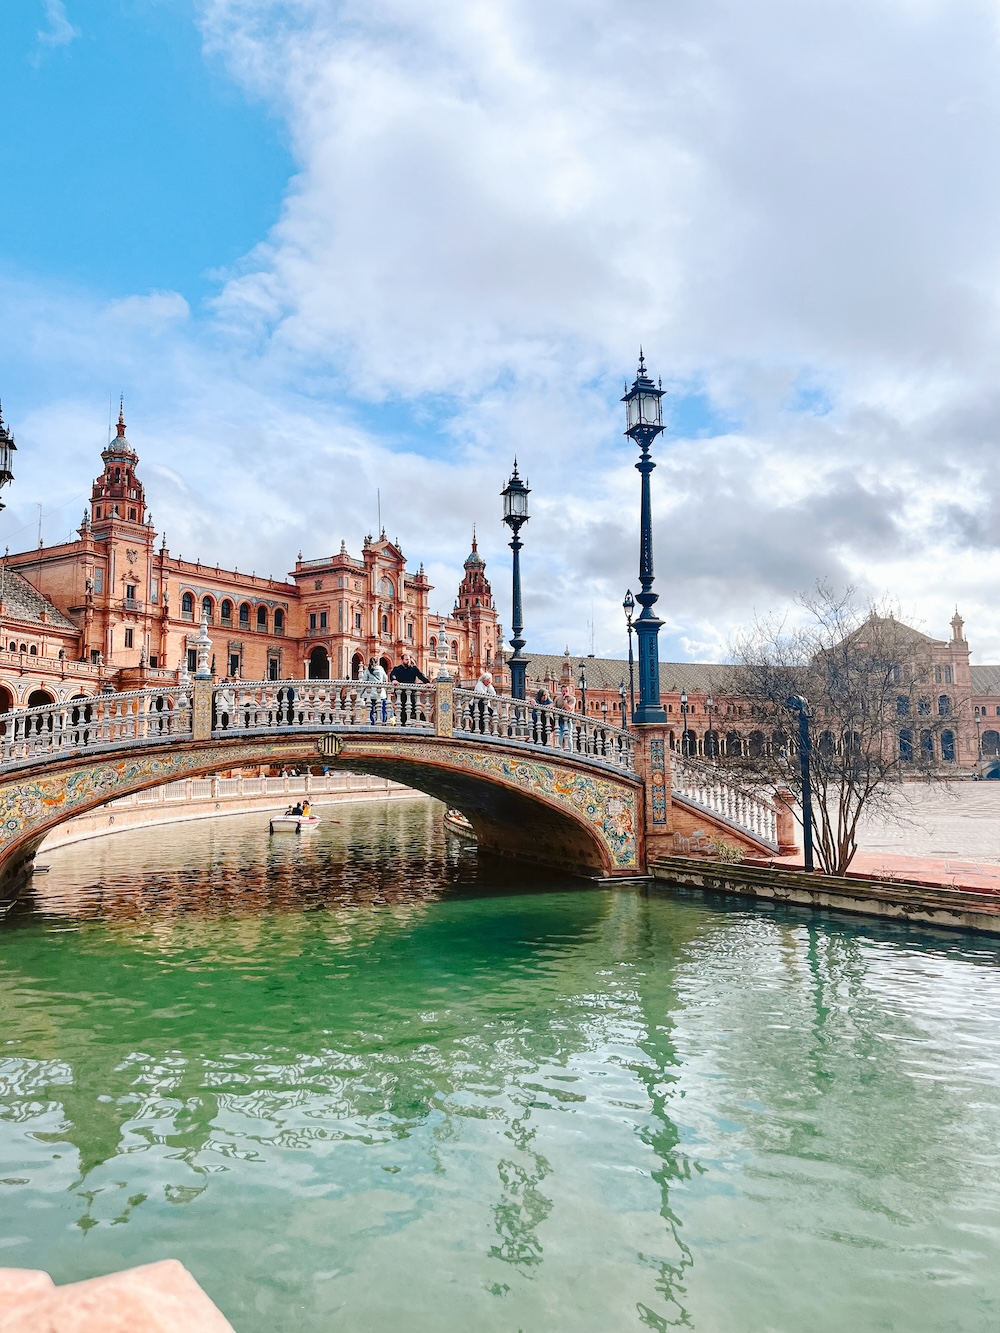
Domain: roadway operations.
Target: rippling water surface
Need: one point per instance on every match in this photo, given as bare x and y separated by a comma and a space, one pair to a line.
356, 1082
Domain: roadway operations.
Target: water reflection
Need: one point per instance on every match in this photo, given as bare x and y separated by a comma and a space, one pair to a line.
364, 1082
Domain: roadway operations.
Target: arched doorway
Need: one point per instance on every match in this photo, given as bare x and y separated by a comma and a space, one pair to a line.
6, 699
319, 663
37, 698
385, 664
357, 666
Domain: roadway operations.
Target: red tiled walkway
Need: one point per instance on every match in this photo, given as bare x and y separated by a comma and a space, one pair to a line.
972, 876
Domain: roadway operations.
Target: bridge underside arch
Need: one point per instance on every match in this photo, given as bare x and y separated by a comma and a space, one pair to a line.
554, 814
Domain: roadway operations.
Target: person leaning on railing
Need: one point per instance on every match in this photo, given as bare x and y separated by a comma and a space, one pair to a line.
483, 711
408, 673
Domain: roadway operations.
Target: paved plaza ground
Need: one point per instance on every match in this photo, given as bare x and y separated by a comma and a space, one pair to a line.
940, 835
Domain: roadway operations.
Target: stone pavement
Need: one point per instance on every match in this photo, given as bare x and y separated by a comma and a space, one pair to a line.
931, 871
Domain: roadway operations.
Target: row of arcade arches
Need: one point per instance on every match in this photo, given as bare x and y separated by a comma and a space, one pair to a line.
233, 616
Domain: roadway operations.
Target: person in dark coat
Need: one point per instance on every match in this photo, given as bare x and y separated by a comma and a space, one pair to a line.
407, 673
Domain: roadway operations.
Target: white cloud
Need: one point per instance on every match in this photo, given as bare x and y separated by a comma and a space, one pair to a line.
60, 32
496, 201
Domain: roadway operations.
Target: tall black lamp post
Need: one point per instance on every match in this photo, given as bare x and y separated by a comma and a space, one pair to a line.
515, 514
685, 739
799, 705
7, 447
710, 746
628, 606
644, 422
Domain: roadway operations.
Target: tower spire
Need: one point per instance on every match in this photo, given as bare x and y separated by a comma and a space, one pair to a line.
121, 417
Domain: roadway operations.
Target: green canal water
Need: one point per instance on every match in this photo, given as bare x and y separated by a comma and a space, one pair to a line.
354, 1081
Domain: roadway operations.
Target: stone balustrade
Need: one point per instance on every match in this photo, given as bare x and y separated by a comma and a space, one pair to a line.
703, 786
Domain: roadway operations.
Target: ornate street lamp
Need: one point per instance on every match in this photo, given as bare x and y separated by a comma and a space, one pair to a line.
644, 422
709, 734
583, 689
685, 740
628, 605
515, 514
7, 447
623, 700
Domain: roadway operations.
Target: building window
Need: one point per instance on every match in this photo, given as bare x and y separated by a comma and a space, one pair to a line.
234, 664
340, 614
927, 746
97, 512
357, 625
95, 655
318, 585
454, 651
902, 705
262, 618
322, 620
937, 675
33, 650
99, 584
279, 623
192, 659
244, 615
131, 514
312, 619
924, 707
948, 746
947, 675
273, 668
187, 607
207, 607
129, 637
409, 630
226, 612
385, 624
154, 590
906, 746
944, 705
340, 582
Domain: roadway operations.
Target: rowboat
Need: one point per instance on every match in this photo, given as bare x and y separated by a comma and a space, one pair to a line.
456, 822
293, 823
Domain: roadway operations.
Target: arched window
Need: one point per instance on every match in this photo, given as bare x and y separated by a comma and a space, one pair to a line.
689, 743
454, 650
827, 745
906, 746
262, 625
944, 705
226, 612
991, 744
279, 621
924, 707
357, 666
24, 647
948, 746
319, 664
187, 607
927, 746
244, 615
37, 698
385, 624
712, 744
6, 699
433, 646
902, 705
734, 746
756, 748
385, 664
13, 646
207, 609
33, 650
947, 675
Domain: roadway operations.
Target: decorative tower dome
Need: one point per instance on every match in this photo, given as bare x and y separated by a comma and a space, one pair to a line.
118, 494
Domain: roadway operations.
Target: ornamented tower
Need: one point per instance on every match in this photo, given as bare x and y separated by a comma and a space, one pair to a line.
475, 611
118, 493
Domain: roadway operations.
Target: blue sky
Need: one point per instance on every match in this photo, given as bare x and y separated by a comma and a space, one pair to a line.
131, 161
327, 250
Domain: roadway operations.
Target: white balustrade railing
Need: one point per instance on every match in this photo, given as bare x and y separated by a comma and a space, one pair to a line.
501, 718
97, 722
703, 786
107, 721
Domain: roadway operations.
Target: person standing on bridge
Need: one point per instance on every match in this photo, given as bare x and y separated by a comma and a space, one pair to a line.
407, 673
567, 704
376, 674
540, 718
484, 688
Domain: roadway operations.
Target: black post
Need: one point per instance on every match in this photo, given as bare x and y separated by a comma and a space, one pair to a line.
629, 605
642, 405
583, 690
800, 706
517, 662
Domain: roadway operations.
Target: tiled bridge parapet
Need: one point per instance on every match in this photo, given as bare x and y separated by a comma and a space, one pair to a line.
535, 783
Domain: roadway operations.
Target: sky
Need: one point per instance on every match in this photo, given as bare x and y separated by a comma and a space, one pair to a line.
343, 259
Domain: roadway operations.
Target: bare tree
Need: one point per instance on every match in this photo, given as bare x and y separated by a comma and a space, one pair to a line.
865, 678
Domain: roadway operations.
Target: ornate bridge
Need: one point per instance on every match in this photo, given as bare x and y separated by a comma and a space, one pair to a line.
535, 782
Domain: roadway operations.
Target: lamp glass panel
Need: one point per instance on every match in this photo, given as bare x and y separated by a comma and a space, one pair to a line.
633, 411
650, 409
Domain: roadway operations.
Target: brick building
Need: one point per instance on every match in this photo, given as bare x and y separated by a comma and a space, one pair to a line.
114, 609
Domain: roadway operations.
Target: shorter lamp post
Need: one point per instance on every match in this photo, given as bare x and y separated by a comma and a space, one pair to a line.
583, 689
629, 606
7, 447
799, 705
515, 514
623, 701
685, 739
979, 744
710, 746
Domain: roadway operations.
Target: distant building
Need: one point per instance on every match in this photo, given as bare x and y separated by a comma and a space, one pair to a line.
114, 609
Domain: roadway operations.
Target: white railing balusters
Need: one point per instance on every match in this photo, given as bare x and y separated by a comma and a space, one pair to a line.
706, 788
